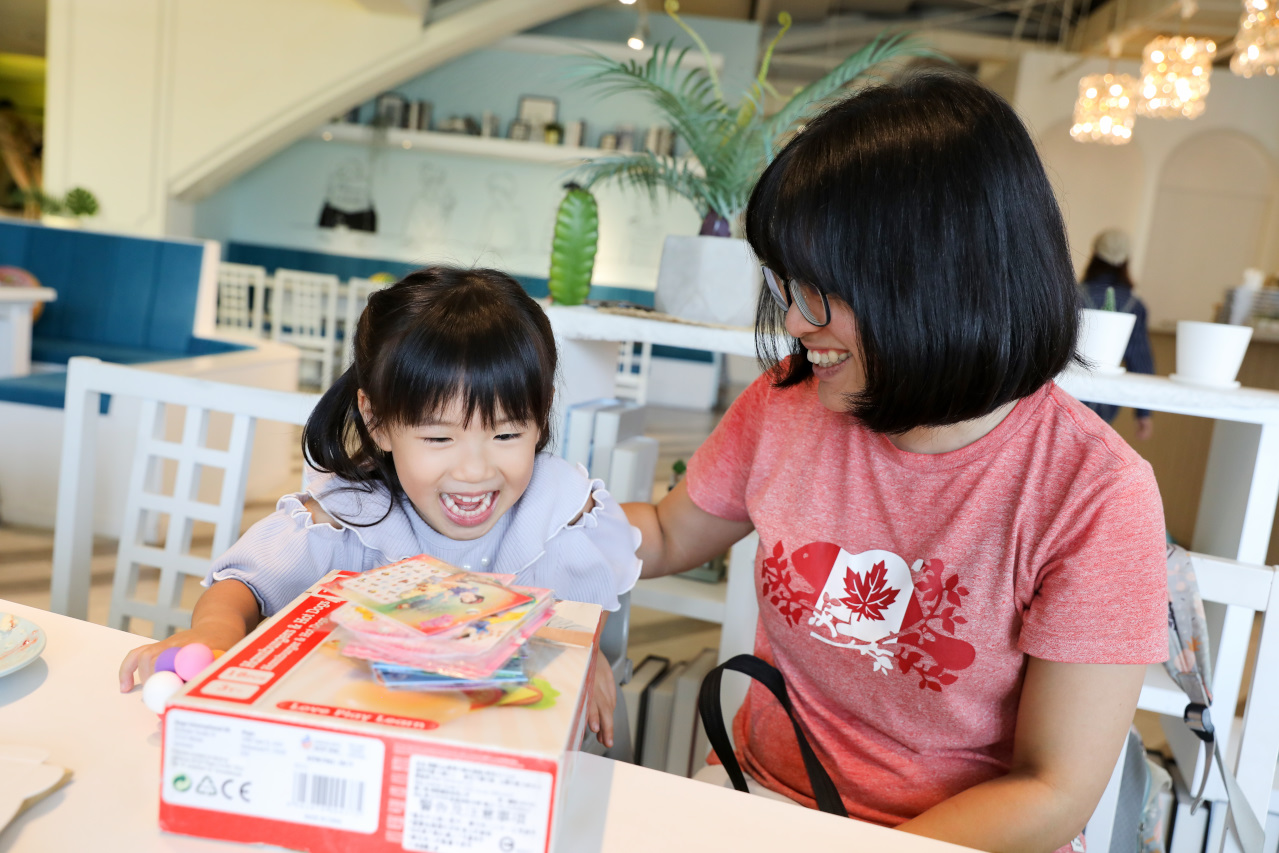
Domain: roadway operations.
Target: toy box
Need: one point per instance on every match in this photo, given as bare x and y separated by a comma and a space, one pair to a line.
286, 741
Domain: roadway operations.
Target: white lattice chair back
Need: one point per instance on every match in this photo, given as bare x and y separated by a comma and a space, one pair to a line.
632, 371
304, 313
357, 296
164, 500
241, 290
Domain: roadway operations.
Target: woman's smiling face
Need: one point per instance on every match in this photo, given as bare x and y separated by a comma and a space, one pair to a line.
834, 350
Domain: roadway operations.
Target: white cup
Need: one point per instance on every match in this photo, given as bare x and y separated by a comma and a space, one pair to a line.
1209, 354
1103, 337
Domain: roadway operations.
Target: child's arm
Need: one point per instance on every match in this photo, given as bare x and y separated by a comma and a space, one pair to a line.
677, 534
603, 696
225, 613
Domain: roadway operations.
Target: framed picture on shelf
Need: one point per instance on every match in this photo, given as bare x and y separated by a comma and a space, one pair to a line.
538, 112
391, 110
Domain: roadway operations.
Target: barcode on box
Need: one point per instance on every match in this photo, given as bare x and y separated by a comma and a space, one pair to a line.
328, 792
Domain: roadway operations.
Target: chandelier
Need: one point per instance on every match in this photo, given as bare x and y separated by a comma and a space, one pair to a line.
1105, 110
1174, 76
1257, 42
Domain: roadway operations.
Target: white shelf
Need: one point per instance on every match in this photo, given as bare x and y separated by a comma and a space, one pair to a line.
673, 594
458, 143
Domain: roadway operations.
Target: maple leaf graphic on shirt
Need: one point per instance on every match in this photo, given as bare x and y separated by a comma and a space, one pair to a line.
868, 596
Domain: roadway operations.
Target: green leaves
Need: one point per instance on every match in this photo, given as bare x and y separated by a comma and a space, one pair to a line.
577, 228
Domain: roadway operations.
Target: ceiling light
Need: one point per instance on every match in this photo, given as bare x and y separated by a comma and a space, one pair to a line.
1105, 110
1174, 76
1257, 42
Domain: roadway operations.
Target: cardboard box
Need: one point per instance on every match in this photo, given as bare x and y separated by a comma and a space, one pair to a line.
285, 741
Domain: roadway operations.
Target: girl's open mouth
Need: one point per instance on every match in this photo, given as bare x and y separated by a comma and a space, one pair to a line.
468, 510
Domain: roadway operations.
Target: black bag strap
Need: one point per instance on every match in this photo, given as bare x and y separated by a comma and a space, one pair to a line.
712, 712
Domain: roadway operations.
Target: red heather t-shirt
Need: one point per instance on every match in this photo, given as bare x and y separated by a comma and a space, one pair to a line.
900, 593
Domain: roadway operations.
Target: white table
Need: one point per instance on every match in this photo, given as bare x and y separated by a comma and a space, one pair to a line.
68, 702
16, 307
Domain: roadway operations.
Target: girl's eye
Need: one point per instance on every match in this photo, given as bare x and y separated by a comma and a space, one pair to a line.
508, 436
436, 439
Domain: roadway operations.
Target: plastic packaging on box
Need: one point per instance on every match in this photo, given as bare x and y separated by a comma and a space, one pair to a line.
285, 741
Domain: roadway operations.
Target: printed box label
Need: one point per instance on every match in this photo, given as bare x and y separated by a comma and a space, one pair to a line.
265, 770
465, 807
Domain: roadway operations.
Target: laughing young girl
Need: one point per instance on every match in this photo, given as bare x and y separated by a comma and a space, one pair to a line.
432, 442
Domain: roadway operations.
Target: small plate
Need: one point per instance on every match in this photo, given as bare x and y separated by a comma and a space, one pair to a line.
1198, 383
19, 645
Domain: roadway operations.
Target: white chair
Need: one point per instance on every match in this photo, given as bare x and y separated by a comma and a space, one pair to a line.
241, 292
304, 313
1244, 591
633, 370
151, 510
357, 296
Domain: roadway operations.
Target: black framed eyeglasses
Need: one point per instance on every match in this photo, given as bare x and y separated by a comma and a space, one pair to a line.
812, 302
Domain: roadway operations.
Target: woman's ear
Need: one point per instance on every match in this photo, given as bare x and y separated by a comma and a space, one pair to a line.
366, 412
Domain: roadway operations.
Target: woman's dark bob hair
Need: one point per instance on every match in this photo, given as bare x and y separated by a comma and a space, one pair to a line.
438, 336
923, 205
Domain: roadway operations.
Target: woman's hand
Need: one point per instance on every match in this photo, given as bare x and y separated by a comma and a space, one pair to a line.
225, 613
602, 700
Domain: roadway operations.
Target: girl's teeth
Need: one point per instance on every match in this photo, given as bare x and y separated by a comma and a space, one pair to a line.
468, 505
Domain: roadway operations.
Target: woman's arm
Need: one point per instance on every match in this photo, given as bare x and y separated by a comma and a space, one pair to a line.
678, 534
1071, 723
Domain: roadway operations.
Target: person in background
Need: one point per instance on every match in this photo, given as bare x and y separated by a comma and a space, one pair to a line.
1109, 268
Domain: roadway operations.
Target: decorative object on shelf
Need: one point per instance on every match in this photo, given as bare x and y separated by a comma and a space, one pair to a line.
1174, 76
1105, 110
729, 146
553, 134
390, 110
575, 133
520, 130
660, 140
608, 141
1103, 336
60, 211
351, 116
538, 111
460, 124
1257, 42
626, 138
577, 231
490, 124
1209, 354
419, 116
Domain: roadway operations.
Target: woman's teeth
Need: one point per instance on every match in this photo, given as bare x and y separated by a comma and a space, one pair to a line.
828, 358
468, 504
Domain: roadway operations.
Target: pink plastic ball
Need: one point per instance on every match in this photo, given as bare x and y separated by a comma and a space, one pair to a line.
164, 663
191, 660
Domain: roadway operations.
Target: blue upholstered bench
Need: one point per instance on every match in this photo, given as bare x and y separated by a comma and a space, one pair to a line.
127, 300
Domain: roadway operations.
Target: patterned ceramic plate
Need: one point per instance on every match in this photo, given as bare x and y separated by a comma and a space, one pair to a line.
21, 642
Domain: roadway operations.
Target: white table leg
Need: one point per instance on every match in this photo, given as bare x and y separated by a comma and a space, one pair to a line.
15, 338
1241, 485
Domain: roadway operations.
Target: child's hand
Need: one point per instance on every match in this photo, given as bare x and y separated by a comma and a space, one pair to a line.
603, 698
142, 659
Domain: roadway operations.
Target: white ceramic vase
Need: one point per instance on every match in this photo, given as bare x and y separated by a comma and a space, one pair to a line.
1209, 354
54, 220
709, 280
1103, 337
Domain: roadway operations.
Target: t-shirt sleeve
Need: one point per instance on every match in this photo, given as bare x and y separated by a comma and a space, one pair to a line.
719, 472
1101, 597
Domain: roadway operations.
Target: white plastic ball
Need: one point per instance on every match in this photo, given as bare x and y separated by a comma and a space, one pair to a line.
158, 688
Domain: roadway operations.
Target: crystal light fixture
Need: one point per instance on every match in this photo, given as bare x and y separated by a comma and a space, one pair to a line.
1257, 42
1105, 110
1174, 76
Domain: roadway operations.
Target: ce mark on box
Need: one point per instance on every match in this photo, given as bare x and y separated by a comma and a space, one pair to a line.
229, 788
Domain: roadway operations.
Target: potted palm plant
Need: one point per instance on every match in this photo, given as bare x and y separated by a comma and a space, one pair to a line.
713, 277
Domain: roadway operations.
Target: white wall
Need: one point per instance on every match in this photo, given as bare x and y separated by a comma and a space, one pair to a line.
1179, 260
150, 100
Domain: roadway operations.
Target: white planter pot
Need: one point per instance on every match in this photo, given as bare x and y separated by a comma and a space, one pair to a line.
55, 221
708, 279
1209, 354
1103, 337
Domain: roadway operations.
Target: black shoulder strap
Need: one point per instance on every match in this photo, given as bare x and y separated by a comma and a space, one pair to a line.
712, 712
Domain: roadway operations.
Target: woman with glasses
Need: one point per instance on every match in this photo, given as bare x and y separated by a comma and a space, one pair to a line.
961, 568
